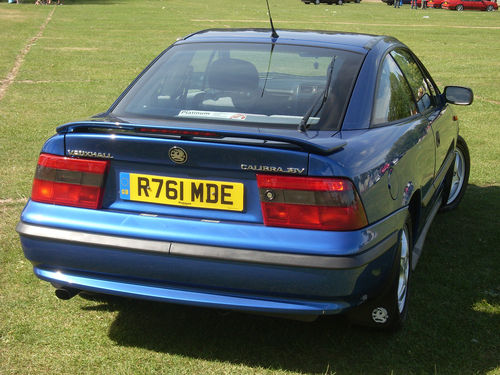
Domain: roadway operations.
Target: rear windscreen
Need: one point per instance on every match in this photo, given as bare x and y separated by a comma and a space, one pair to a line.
246, 83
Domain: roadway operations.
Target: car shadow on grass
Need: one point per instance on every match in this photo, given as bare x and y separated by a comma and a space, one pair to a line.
452, 327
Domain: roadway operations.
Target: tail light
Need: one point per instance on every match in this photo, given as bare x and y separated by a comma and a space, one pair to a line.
310, 203
69, 181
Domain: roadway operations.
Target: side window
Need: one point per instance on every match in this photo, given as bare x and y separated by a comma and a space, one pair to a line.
424, 94
393, 99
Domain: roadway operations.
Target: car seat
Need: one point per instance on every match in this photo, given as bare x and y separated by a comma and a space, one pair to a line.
231, 85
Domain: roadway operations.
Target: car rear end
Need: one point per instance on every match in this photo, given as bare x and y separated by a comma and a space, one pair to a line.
111, 234
211, 207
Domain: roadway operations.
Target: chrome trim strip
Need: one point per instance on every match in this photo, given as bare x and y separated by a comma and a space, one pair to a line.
86, 238
284, 259
209, 252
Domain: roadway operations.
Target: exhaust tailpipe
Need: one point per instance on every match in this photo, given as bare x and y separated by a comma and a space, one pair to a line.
66, 293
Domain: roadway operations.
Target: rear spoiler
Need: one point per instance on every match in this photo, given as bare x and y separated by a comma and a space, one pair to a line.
325, 145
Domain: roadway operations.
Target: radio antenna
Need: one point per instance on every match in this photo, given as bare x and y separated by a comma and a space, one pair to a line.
274, 34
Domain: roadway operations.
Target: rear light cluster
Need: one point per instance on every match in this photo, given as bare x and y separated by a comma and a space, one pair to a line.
310, 203
69, 181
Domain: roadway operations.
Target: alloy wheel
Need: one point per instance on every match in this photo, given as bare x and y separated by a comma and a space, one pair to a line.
404, 270
458, 176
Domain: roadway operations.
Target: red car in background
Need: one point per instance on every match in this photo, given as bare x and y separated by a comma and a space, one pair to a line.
435, 3
470, 4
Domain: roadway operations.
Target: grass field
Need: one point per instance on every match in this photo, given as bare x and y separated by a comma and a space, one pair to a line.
73, 60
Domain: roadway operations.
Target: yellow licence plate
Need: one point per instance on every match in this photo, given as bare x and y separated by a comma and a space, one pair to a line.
218, 195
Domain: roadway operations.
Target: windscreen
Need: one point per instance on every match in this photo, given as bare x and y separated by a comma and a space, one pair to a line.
246, 83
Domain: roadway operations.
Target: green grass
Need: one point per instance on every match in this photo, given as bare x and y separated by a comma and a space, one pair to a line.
88, 53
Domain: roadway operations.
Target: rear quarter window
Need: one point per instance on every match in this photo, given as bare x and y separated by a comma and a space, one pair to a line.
421, 89
393, 98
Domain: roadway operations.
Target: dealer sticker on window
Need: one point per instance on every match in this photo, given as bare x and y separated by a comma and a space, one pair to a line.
215, 115
218, 195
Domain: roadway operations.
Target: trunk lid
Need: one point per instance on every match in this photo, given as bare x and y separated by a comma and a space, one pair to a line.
191, 172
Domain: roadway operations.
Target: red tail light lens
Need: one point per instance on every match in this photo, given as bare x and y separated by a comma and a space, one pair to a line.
181, 132
69, 181
310, 203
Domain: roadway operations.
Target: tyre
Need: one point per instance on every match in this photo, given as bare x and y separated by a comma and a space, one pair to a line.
459, 7
316, 2
340, 2
489, 8
389, 310
457, 178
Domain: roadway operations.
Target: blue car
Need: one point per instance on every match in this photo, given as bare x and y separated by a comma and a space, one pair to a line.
291, 174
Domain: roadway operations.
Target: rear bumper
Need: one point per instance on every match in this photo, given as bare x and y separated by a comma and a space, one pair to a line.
274, 258
189, 296
322, 279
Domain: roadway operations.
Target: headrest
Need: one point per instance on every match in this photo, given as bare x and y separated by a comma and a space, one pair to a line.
228, 74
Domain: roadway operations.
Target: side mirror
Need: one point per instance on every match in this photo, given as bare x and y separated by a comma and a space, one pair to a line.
458, 95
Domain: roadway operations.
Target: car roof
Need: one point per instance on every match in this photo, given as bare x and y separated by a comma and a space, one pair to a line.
360, 43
